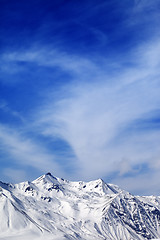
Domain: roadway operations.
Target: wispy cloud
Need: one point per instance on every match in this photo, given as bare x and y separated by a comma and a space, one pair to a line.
96, 119
5, 108
106, 109
15, 175
47, 58
145, 183
100, 114
26, 152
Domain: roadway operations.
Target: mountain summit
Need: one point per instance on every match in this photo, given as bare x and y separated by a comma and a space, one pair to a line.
54, 208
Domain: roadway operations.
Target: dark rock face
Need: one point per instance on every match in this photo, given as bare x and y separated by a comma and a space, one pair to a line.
141, 218
29, 189
49, 174
54, 186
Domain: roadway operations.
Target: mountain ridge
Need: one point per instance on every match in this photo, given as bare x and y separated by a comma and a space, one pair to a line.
54, 208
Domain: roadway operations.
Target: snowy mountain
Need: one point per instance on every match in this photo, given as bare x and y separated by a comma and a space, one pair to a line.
53, 208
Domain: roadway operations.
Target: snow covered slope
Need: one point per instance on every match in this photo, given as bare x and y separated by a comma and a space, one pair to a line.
54, 208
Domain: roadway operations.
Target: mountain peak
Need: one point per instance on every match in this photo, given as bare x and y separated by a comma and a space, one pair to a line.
55, 208
48, 177
49, 174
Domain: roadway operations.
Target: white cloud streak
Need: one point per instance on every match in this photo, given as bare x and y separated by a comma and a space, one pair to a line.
5, 108
26, 152
48, 58
96, 114
142, 184
96, 118
15, 175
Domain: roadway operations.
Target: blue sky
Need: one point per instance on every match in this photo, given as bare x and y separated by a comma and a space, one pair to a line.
80, 91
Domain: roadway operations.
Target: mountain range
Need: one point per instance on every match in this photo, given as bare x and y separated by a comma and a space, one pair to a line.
52, 208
